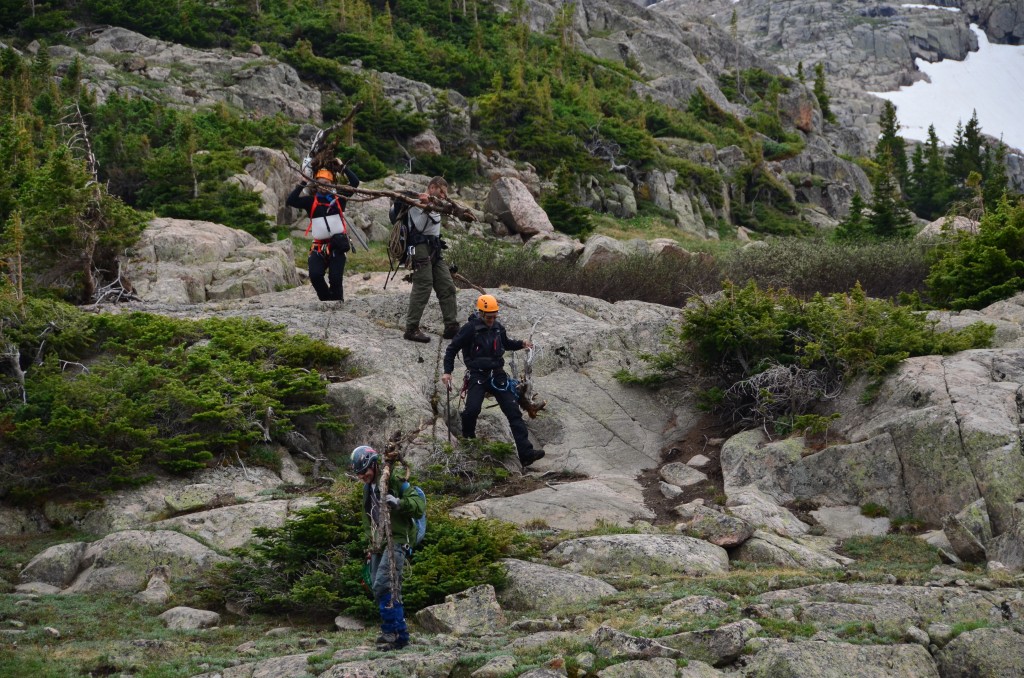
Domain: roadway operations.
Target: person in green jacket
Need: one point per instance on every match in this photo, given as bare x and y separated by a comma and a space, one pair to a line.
404, 506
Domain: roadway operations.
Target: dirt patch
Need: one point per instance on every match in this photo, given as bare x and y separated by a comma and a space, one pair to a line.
705, 438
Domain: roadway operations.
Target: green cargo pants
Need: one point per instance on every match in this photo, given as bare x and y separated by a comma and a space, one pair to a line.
430, 273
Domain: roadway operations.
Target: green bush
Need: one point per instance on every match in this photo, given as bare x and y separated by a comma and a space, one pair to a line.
972, 271
113, 398
660, 280
776, 357
806, 267
313, 563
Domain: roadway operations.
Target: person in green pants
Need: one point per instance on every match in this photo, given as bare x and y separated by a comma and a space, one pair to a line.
430, 271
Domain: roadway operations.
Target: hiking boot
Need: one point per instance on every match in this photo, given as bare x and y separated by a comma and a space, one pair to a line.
450, 330
416, 335
531, 456
387, 642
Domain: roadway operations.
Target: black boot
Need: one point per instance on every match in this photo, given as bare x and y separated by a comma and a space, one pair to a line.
450, 330
530, 456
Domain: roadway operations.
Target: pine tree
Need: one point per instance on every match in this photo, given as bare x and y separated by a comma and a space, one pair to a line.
889, 216
892, 144
931, 188
821, 92
800, 72
995, 183
854, 226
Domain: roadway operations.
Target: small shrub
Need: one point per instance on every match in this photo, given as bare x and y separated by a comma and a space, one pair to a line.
873, 510
313, 563
113, 398
775, 357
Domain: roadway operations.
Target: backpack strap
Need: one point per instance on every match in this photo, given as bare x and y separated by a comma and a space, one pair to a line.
316, 202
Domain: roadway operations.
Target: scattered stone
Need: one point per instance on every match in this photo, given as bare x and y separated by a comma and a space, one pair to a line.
16, 623
345, 623
714, 526
719, 646
187, 618
56, 566
644, 553
37, 587
698, 461
531, 586
279, 631
844, 522
825, 658
158, 590
694, 606
612, 643
669, 491
496, 667
681, 475
473, 612
586, 660
916, 635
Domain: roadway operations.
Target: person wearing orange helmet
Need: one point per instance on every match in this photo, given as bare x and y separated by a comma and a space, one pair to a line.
330, 233
483, 342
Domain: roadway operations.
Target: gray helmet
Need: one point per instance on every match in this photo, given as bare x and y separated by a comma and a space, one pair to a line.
363, 457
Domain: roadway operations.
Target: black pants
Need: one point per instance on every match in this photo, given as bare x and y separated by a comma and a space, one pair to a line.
334, 267
479, 386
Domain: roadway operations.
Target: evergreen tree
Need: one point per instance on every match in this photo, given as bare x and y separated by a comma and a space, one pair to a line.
889, 216
800, 72
931, 189
995, 182
821, 92
892, 144
854, 226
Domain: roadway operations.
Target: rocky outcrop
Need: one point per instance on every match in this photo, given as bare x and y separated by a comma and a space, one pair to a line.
185, 262
194, 78
864, 48
841, 660
982, 653
473, 612
626, 553
510, 203
953, 421
533, 586
122, 561
1003, 20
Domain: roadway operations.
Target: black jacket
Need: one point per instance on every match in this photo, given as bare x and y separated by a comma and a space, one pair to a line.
325, 203
482, 347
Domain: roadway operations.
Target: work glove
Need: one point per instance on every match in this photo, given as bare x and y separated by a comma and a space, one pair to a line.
391, 500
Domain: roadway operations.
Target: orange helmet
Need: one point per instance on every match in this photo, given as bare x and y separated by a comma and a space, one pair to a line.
487, 303
325, 174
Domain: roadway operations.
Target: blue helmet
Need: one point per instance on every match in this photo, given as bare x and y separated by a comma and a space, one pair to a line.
363, 457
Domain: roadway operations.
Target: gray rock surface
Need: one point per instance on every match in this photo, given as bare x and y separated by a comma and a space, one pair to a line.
805, 552
231, 526
56, 566
473, 612
841, 660
532, 586
718, 646
190, 77
983, 653
626, 553
181, 261
188, 618
121, 561
511, 203
953, 422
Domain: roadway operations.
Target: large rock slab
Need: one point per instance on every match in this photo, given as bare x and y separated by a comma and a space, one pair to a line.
847, 521
625, 553
56, 566
473, 612
955, 425
851, 474
427, 665
719, 646
121, 561
659, 667
188, 618
569, 506
983, 653
181, 261
765, 547
511, 202
231, 526
532, 586
931, 603
841, 660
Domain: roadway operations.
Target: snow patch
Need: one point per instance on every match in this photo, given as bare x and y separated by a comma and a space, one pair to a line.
948, 9
989, 81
